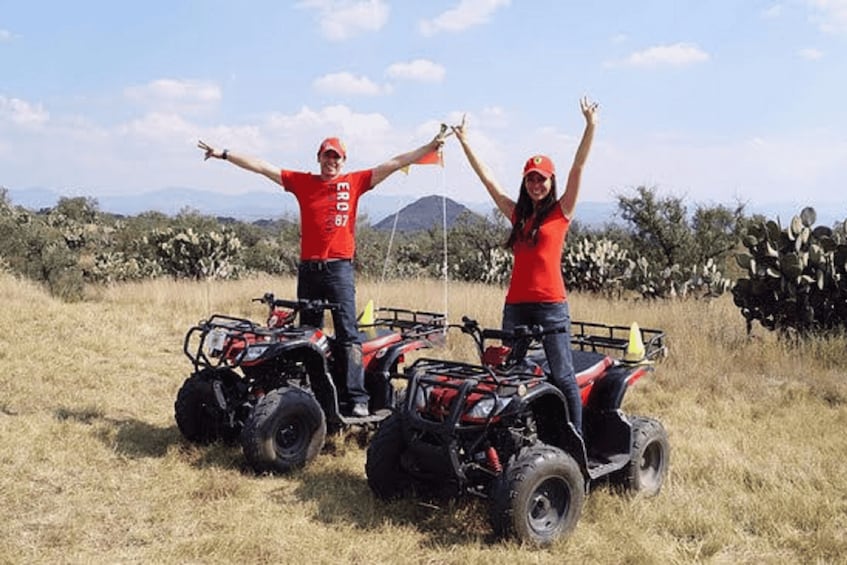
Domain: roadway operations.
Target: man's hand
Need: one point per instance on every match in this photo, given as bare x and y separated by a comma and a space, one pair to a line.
208, 149
441, 136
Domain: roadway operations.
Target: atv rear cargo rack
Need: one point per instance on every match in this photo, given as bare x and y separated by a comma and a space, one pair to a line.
610, 339
411, 323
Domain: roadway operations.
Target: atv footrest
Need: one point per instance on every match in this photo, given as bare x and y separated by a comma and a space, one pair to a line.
374, 418
601, 467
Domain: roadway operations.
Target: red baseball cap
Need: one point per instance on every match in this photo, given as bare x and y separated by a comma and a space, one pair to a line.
540, 164
332, 144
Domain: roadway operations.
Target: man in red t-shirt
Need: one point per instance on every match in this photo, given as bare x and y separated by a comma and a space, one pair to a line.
328, 206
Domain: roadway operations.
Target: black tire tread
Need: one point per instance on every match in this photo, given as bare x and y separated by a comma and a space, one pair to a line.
645, 431
386, 478
258, 436
507, 491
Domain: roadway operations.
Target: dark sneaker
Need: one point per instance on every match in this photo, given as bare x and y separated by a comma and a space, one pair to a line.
360, 410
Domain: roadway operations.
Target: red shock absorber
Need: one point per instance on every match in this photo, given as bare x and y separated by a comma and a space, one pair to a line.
493, 460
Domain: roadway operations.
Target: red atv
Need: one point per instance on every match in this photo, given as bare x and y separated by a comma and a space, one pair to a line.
278, 387
500, 430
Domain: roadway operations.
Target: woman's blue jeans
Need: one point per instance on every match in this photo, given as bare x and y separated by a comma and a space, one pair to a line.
557, 346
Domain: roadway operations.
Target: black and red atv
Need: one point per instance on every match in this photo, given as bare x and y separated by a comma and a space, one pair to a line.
500, 429
279, 387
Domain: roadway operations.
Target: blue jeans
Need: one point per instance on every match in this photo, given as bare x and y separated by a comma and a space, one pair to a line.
334, 281
557, 347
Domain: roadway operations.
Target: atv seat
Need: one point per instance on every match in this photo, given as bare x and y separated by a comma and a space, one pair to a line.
376, 338
590, 366
587, 365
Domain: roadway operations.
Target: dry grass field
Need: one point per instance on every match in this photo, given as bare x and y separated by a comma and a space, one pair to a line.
94, 470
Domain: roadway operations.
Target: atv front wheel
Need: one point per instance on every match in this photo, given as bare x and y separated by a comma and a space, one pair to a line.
650, 454
198, 411
538, 497
382, 467
286, 430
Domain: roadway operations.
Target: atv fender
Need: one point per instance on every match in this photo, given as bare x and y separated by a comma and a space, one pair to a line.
320, 379
382, 369
608, 392
550, 410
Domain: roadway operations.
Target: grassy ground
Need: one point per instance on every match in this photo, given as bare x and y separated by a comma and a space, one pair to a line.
94, 470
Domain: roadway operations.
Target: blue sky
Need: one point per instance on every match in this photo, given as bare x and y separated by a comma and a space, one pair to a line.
711, 100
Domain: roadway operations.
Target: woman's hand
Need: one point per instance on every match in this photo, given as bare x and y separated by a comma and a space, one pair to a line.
459, 130
589, 110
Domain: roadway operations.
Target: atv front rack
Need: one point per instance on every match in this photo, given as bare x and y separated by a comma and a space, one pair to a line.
462, 383
203, 342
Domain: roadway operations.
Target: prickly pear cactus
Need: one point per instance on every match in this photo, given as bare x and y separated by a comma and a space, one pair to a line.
796, 276
200, 255
596, 266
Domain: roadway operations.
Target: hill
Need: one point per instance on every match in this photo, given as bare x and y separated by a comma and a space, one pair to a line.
426, 213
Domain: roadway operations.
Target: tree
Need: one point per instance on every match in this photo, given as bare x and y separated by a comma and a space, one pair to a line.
666, 236
660, 226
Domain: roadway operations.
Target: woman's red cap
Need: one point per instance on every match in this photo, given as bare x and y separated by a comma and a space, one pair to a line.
540, 164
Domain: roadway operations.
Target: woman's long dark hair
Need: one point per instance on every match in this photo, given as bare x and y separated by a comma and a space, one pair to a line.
523, 212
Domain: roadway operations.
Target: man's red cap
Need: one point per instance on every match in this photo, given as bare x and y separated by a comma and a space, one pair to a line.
540, 164
332, 144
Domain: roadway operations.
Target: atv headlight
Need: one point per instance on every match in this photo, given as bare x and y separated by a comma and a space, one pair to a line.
488, 407
254, 352
421, 395
214, 341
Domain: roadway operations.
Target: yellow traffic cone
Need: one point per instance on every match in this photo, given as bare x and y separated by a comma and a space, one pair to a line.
635, 347
366, 318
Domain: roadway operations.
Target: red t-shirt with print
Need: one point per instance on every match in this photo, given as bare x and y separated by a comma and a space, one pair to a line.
537, 272
327, 211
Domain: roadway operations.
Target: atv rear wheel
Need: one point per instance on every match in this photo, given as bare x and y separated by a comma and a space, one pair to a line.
198, 412
538, 497
286, 430
386, 477
650, 455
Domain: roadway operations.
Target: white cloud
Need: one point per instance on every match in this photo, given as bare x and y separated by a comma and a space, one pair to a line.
343, 19
175, 95
338, 118
5, 35
158, 126
829, 15
676, 55
810, 54
495, 117
22, 113
805, 165
467, 13
347, 83
774, 11
420, 70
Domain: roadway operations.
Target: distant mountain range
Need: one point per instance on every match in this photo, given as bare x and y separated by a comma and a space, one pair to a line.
378, 208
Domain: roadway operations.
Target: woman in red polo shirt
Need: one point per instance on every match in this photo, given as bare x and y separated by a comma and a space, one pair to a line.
540, 221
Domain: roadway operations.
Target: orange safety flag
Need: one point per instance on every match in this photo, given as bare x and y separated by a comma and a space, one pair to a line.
432, 158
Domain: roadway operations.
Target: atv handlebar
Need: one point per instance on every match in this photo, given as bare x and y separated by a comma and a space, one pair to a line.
297, 305
536, 331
